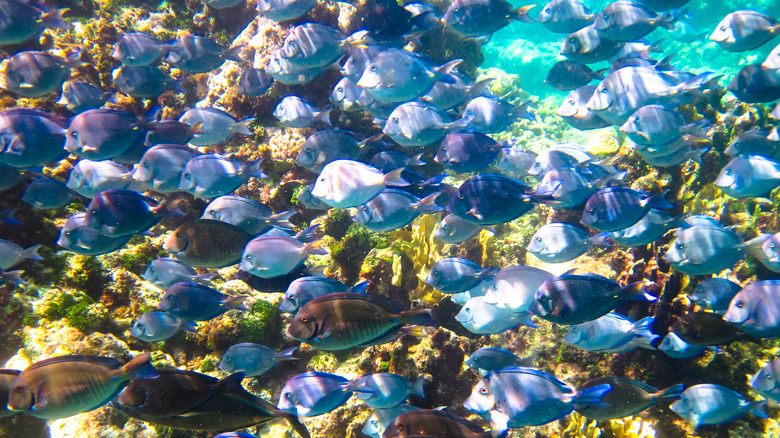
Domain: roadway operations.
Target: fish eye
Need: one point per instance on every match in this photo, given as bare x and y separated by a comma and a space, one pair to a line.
571, 102
768, 376
363, 207
575, 329
188, 176
373, 68
248, 256
590, 210
145, 164
461, 196
93, 211
375, 423
548, 10
340, 89
543, 298
680, 246
287, 395
304, 319
739, 304
484, 391
400, 427
395, 119
604, 90
723, 28
538, 239
151, 269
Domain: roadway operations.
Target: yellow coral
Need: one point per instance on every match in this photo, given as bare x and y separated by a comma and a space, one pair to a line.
423, 250
629, 427
603, 142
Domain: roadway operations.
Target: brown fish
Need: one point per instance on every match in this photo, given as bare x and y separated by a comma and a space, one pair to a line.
7, 378
627, 397
344, 320
206, 243
707, 329
425, 422
229, 407
68, 385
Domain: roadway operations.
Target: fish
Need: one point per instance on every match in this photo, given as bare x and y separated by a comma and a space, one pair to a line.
768, 252
753, 309
569, 75
397, 75
250, 216
23, 21
714, 293
253, 359
629, 21
283, 10
588, 46
611, 333
472, 18
9, 176
755, 84
311, 45
191, 301
79, 96
7, 377
380, 418
358, 57
34, 74
744, 30
345, 95
617, 208
573, 299
12, 254
482, 318
386, 20
706, 329
676, 348
658, 125
348, 183
254, 82
163, 272
513, 287
753, 142
453, 229
415, 124
494, 199
749, 176
385, 390
159, 326
565, 16
571, 186
283, 71
45, 193
63, 386
88, 178
76, 236
145, 81
518, 397
216, 126
295, 112
275, 284
344, 320
772, 61
162, 132
121, 212
272, 256
196, 54
313, 393
206, 243
328, 145
161, 167
491, 115
705, 249
574, 110
514, 162
188, 400
468, 150
430, 423
765, 381
211, 175
137, 49
30, 137
452, 90
626, 398
487, 359
393, 209
706, 404
103, 133
304, 289
560, 242
454, 274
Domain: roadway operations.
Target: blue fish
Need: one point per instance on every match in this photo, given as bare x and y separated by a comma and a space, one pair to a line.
254, 82
414, 124
211, 175
159, 326
345, 95
629, 21
192, 301
647, 230
165, 271
364, 182
102, 133
215, 126
565, 16
453, 274
328, 145
250, 216
483, 318
12, 254
311, 45
161, 167
513, 288
472, 18
78, 96
121, 212
488, 359
714, 293
283, 10
616, 208
253, 359
30, 137
313, 393
467, 151
705, 249
756, 309
393, 209
295, 112
706, 404
381, 418
304, 289
35, 74
453, 229
574, 110
744, 30
272, 256
386, 390
491, 114
137, 49
515, 163
45, 193
675, 347
76, 236
559, 242
196, 54
9, 176
765, 381
145, 81
493, 199
611, 333
657, 125
23, 20
748, 176
88, 178
753, 142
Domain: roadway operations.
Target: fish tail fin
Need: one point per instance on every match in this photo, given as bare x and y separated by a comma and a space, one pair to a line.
308, 234
413, 330
487, 274
54, 18
499, 424
236, 302
521, 14
601, 240
169, 208
697, 155
359, 288
13, 277
204, 278
393, 178
324, 115
775, 134
692, 86
282, 219
32, 253
415, 160
642, 328
234, 53
286, 354
481, 86
417, 388
196, 129
658, 200
590, 396
757, 408
297, 426
188, 326
242, 127
427, 205
667, 20
522, 112
698, 129
635, 292
526, 319
601, 74
447, 68
668, 394
139, 367
314, 248
7, 216
252, 169
419, 317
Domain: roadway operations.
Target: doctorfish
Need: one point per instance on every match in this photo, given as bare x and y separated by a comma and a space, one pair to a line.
344, 320
7, 378
206, 243
68, 385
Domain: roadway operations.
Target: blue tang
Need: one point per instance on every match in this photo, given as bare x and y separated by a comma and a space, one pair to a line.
494, 199
454, 274
121, 212
748, 176
78, 96
216, 126
705, 249
313, 393
196, 54
675, 347
30, 137
765, 381
611, 333
102, 133
35, 74
304, 289
137, 49
393, 209
253, 359
45, 193
88, 178
76, 236
161, 167
715, 293
348, 183
386, 390
159, 326
250, 216
272, 256
706, 404
488, 359
513, 288
616, 208
755, 309
192, 301
211, 175
565, 16
165, 271
560, 242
